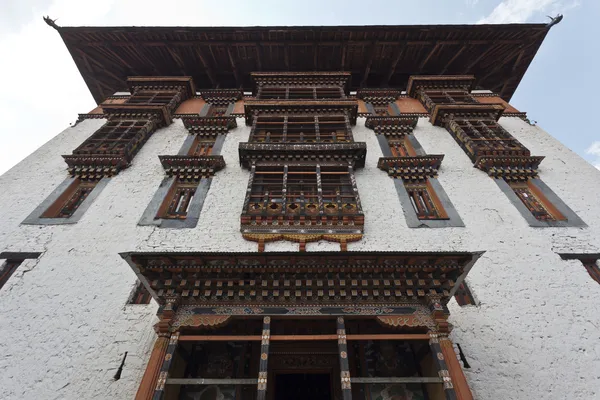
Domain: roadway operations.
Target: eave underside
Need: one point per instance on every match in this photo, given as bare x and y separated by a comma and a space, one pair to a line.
376, 56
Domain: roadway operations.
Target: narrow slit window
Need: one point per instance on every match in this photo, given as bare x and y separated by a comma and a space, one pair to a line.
539, 206
6, 270
140, 295
424, 201
177, 203
70, 200
463, 295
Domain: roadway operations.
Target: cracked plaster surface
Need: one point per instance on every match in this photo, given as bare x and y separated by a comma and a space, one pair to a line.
66, 325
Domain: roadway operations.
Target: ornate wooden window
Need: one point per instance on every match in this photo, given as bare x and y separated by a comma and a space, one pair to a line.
535, 201
463, 295
201, 146
177, 202
301, 129
140, 295
300, 93
431, 98
485, 138
401, 147
217, 111
307, 190
70, 200
158, 97
7, 269
116, 137
424, 200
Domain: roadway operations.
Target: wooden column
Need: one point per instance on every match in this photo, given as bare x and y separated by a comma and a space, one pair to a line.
166, 365
264, 359
344, 365
463, 392
439, 359
148, 384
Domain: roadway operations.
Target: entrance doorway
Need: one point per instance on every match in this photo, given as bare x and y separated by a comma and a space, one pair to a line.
298, 386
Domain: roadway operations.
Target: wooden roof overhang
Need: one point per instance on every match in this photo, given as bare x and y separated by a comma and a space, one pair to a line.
320, 278
375, 56
340, 79
299, 107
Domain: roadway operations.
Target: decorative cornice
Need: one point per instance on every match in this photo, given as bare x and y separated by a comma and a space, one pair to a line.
160, 113
439, 82
192, 168
163, 83
378, 96
391, 125
302, 79
442, 113
221, 96
354, 153
312, 107
94, 167
510, 168
411, 168
209, 126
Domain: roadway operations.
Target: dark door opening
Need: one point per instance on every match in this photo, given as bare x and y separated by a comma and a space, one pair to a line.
302, 387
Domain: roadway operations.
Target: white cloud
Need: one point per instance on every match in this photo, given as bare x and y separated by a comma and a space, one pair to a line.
594, 150
513, 11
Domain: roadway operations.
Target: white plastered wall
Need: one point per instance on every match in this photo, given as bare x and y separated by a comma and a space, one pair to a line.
65, 324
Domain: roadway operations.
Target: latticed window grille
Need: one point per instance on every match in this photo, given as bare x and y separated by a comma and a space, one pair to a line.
140, 295
117, 137
431, 98
152, 97
217, 111
70, 200
177, 202
201, 147
302, 189
400, 148
301, 129
424, 201
300, 93
539, 206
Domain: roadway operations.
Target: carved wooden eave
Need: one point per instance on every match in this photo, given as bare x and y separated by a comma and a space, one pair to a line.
192, 168
416, 168
433, 82
391, 125
314, 279
442, 113
298, 107
340, 79
351, 153
221, 96
378, 96
160, 113
510, 168
209, 126
185, 84
95, 167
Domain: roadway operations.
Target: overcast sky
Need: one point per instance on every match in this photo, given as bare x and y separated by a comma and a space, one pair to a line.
42, 92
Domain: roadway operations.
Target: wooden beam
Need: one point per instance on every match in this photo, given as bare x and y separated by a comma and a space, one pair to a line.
259, 56
207, 68
363, 82
209, 381
279, 338
236, 73
344, 51
454, 57
483, 54
286, 56
177, 60
315, 56
415, 379
392, 336
215, 338
499, 66
429, 55
388, 76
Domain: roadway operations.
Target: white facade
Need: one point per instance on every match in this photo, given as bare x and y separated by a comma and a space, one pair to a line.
65, 325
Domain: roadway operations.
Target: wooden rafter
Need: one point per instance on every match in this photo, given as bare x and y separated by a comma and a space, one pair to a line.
454, 57
236, 73
399, 54
207, 68
259, 56
363, 82
429, 55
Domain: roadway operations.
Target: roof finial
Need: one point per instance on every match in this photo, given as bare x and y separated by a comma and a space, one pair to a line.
554, 21
51, 22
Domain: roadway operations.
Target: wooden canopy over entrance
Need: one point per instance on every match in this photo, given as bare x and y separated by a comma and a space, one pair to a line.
376, 56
